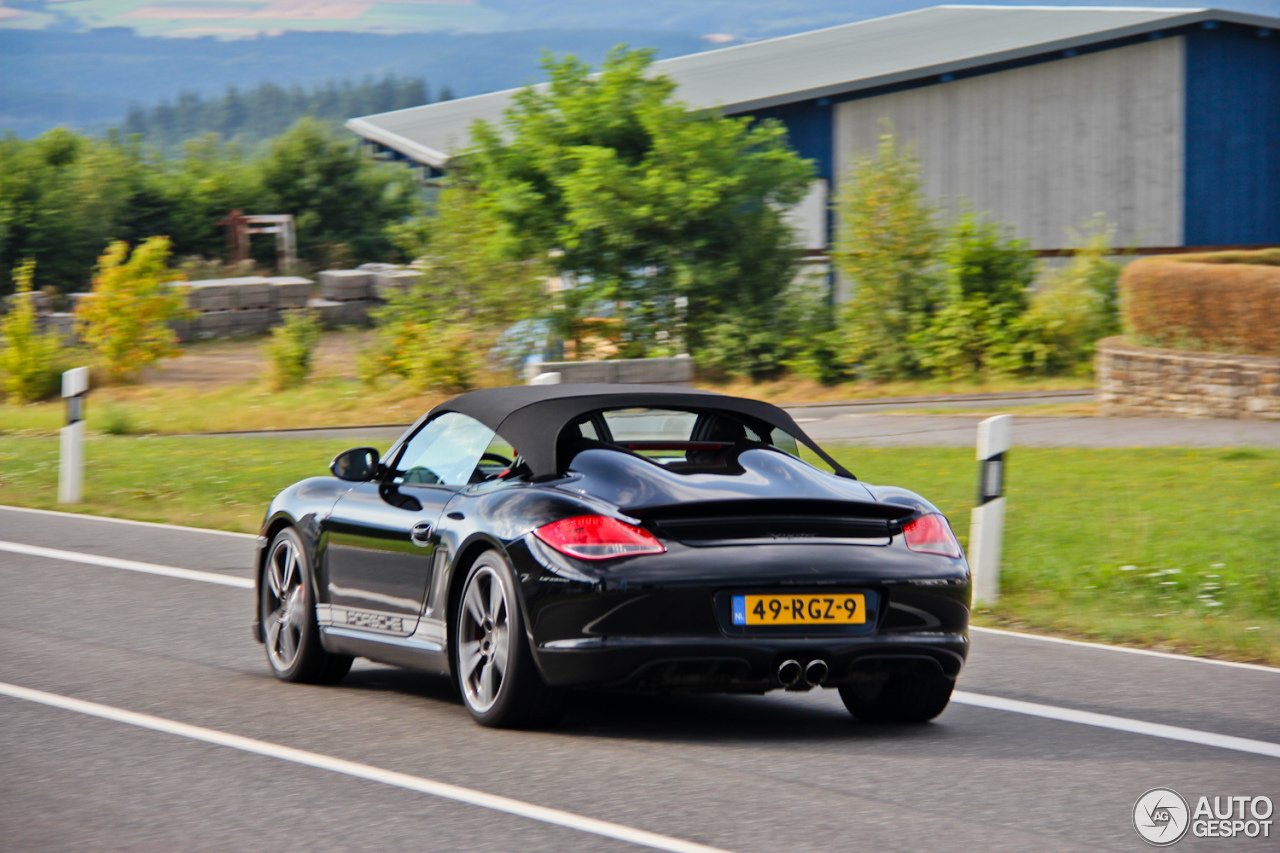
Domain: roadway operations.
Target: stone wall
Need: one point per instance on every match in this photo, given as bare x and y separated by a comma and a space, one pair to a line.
626, 371
1136, 381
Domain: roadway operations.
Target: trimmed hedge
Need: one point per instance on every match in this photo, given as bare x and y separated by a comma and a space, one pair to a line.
1219, 302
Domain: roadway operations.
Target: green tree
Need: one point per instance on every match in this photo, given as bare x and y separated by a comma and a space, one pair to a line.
886, 248
988, 276
674, 215
431, 331
30, 362
125, 319
338, 196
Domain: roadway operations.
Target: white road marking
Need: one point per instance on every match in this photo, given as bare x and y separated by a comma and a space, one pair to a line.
127, 565
362, 771
979, 700
80, 515
1257, 667
1120, 724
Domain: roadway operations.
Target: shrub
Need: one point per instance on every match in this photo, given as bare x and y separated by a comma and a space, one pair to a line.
125, 320
290, 348
887, 249
31, 362
1228, 302
988, 276
1069, 314
430, 332
117, 420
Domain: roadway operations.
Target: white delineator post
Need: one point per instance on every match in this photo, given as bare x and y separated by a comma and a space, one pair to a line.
986, 527
75, 385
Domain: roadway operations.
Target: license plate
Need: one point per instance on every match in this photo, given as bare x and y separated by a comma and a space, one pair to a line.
837, 609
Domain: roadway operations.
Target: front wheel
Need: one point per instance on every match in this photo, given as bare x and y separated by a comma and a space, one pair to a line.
288, 614
498, 678
902, 698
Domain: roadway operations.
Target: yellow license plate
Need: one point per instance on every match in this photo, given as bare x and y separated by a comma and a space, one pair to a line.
837, 609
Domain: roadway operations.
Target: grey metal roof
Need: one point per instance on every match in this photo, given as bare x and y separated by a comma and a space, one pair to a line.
833, 61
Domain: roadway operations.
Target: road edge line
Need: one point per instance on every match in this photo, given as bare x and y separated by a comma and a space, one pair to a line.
126, 565
1048, 638
54, 512
443, 790
1122, 724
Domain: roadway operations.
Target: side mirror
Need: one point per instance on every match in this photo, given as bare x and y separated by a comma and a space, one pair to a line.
358, 466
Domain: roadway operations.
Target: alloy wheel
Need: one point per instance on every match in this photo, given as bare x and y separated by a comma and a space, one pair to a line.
285, 604
484, 639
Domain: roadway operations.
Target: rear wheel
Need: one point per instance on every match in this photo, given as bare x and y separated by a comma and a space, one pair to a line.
901, 698
288, 614
499, 681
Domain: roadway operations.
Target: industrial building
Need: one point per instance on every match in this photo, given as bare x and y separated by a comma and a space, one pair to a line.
1164, 121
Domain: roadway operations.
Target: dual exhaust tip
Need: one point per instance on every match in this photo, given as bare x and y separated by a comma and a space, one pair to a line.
790, 673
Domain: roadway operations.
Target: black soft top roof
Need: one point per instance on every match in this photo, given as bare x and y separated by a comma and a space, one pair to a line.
531, 417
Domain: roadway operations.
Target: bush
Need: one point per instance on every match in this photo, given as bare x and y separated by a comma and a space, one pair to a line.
988, 277
1226, 302
1069, 314
117, 420
430, 332
290, 348
31, 362
887, 250
125, 320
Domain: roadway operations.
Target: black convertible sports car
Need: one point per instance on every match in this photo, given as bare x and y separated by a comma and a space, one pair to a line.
528, 540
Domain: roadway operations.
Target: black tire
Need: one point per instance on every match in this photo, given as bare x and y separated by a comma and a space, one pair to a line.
902, 698
494, 666
286, 606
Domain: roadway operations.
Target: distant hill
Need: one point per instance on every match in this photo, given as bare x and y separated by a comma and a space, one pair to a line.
253, 115
86, 62
94, 78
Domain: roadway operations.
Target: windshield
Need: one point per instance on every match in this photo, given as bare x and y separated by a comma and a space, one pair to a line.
682, 439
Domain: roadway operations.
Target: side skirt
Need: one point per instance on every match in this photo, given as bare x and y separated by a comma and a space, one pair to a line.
423, 649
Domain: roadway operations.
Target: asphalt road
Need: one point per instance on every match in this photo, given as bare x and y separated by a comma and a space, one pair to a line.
1076, 734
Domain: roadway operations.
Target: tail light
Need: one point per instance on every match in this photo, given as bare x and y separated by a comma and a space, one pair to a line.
931, 534
596, 537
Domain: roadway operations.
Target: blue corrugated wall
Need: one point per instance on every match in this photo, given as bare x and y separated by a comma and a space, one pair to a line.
1232, 137
809, 127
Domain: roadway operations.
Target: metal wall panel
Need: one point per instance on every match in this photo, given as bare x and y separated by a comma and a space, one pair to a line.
1046, 147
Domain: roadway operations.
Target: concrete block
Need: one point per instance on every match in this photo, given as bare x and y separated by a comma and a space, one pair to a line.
624, 371
43, 303
346, 285
252, 292
291, 291
391, 280
63, 325
254, 321
334, 313
212, 295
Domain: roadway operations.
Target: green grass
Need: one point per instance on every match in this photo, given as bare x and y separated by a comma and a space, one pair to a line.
1174, 548
1171, 548
223, 483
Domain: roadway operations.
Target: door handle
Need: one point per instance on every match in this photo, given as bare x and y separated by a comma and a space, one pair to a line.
421, 534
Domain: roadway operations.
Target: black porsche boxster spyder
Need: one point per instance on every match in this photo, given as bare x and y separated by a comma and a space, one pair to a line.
531, 540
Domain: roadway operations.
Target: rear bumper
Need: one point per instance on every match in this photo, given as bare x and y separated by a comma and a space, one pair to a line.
741, 664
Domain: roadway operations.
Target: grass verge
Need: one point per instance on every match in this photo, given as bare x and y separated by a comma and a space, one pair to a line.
166, 409
1167, 548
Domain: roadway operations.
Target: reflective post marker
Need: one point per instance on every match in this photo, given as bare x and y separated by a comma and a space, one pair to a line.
75, 385
986, 525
